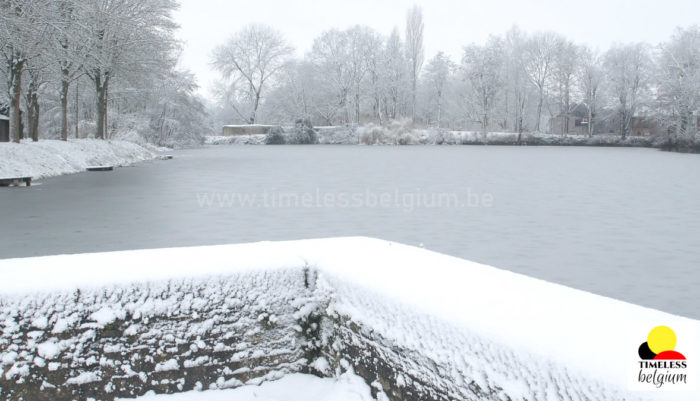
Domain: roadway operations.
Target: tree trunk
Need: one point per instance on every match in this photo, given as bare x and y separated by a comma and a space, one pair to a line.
106, 102
15, 98
357, 105
65, 83
77, 111
254, 115
34, 127
539, 110
413, 103
566, 108
101, 107
30, 112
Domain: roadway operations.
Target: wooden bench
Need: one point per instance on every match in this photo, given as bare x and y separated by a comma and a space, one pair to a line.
7, 181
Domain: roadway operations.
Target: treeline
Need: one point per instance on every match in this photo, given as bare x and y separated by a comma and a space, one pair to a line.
516, 82
101, 68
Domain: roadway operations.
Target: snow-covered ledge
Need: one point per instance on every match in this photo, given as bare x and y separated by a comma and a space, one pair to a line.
417, 325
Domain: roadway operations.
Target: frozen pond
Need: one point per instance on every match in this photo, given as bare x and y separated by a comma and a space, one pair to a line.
618, 222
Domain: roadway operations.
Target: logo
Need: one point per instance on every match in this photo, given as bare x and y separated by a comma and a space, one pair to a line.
660, 345
660, 365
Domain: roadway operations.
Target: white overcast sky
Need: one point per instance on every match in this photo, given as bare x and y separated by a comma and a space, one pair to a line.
449, 24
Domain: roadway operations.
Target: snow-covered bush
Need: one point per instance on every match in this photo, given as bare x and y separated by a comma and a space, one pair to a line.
275, 136
303, 133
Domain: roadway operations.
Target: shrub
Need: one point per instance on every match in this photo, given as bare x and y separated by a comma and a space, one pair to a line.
275, 137
304, 133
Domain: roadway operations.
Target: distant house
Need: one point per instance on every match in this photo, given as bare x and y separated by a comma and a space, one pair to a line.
576, 121
4, 129
249, 129
644, 126
576, 126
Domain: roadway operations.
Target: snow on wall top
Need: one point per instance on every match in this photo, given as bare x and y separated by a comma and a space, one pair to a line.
580, 330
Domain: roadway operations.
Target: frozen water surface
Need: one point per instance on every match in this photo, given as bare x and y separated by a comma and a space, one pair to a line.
617, 222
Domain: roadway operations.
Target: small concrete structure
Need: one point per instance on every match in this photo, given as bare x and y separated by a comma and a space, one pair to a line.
251, 129
16, 181
4, 129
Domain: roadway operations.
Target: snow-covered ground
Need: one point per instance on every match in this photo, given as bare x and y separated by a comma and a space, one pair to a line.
48, 158
472, 326
293, 387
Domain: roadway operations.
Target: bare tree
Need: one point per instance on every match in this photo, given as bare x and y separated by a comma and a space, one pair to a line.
437, 74
517, 80
414, 51
395, 74
361, 44
127, 37
627, 68
590, 77
330, 54
251, 58
540, 52
565, 64
23, 32
70, 50
483, 66
679, 81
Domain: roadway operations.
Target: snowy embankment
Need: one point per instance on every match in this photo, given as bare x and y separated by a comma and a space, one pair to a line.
48, 158
376, 135
414, 324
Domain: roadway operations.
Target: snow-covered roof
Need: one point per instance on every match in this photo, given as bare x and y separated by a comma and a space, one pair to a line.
3, 117
587, 333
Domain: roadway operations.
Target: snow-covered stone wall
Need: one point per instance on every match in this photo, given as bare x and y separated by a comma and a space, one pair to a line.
416, 325
170, 336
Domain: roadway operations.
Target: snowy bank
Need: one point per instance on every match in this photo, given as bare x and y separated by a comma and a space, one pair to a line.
48, 158
415, 324
379, 135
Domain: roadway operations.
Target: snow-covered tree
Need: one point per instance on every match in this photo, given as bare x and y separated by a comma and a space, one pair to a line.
395, 75
540, 52
482, 66
566, 61
250, 59
437, 75
23, 34
69, 49
414, 51
127, 37
590, 80
517, 80
330, 55
679, 81
627, 69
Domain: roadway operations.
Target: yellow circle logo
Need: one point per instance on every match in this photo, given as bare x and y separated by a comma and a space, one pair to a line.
661, 338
